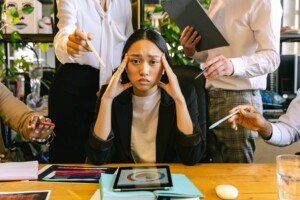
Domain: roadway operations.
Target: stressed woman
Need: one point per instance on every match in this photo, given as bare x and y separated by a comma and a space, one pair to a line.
143, 116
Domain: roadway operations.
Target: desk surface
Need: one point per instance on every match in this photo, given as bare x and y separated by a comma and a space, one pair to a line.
254, 181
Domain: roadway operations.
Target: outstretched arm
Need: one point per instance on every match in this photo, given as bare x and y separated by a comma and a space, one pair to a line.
251, 119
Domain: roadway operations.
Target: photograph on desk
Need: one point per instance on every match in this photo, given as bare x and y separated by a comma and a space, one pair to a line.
26, 195
68, 173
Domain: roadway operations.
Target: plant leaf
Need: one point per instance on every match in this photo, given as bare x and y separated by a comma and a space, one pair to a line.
44, 47
15, 36
27, 9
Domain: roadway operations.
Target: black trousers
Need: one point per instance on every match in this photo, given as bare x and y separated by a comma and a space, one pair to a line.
72, 100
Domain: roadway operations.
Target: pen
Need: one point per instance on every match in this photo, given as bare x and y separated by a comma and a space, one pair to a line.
94, 51
45, 123
204, 70
223, 119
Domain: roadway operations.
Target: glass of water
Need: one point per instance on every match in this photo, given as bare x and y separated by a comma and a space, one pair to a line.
288, 176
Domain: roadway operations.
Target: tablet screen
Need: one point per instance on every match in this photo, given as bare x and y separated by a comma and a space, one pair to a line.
143, 178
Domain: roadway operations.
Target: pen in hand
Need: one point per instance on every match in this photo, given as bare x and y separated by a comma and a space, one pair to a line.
95, 52
223, 119
204, 70
45, 123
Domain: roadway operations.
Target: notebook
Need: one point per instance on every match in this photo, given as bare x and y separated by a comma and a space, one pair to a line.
182, 188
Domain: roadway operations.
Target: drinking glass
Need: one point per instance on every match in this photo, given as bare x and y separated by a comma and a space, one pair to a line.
288, 176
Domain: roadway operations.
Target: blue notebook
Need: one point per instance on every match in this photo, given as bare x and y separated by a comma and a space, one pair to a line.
182, 187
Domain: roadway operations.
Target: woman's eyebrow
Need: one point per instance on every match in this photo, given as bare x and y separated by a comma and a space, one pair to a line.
135, 55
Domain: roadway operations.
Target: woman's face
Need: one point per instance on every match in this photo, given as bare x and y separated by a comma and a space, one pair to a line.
144, 68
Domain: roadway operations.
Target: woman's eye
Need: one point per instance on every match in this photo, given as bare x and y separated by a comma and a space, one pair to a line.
11, 6
154, 62
27, 8
135, 61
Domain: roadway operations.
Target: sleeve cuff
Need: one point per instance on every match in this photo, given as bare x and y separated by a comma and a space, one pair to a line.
189, 140
238, 66
275, 135
99, 144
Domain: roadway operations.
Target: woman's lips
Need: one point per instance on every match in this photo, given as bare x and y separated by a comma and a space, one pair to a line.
20, 25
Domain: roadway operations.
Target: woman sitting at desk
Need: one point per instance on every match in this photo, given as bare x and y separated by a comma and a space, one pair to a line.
146, 119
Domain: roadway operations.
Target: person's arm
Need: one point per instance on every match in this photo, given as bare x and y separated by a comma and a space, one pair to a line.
102, 126
184, 121
251, 119
20, 118
264, 20
284, 132
287, 130
66, 13
100, 142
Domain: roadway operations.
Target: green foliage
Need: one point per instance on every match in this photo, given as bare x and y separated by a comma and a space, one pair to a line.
22, 65
205, 3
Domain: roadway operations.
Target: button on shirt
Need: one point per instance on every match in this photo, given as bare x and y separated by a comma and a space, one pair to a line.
110, 30
252, 28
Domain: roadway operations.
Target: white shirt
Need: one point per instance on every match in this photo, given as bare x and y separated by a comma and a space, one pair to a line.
252, 28
110, 30
287, 130
144, 127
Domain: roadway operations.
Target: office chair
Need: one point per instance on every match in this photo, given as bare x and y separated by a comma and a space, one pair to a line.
186, 75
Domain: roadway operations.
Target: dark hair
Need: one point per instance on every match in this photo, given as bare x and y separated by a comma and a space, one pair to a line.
151, 35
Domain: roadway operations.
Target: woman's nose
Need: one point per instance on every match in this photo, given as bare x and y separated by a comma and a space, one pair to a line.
144, 70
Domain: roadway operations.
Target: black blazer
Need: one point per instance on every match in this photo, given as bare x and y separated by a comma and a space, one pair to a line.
172, 146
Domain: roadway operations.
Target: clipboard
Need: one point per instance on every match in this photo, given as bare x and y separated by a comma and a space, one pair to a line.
190, 13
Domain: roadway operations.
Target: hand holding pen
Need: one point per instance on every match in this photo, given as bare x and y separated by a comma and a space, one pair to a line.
219, 66
202, 72
77, 45
225, 118
40, 128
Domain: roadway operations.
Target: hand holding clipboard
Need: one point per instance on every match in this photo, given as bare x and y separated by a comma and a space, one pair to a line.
190, 13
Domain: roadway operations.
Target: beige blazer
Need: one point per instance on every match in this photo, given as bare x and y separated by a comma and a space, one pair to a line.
13, 113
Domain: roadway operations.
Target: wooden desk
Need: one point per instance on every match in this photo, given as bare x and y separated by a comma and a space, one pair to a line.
254, 181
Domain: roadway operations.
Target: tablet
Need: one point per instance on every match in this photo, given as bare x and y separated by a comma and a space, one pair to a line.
143, 178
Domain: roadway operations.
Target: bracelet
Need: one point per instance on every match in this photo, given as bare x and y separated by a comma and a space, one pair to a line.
47, 140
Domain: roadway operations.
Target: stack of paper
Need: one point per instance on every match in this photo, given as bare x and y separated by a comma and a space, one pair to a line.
19, 171
182, 188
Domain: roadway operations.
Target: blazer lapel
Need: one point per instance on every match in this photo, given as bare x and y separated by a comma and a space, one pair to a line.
165, 124
123, 117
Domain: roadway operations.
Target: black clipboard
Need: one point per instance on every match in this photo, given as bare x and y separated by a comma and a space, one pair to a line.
190, 13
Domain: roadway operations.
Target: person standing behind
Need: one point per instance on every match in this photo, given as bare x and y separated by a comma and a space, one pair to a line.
282, 133
237, 71
107, 24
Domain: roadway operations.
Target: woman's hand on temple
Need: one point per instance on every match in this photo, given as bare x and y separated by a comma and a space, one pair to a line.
172, 88
115, 87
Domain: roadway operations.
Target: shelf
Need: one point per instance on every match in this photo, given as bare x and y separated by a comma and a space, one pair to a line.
31, 37
290, 37
42, 1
